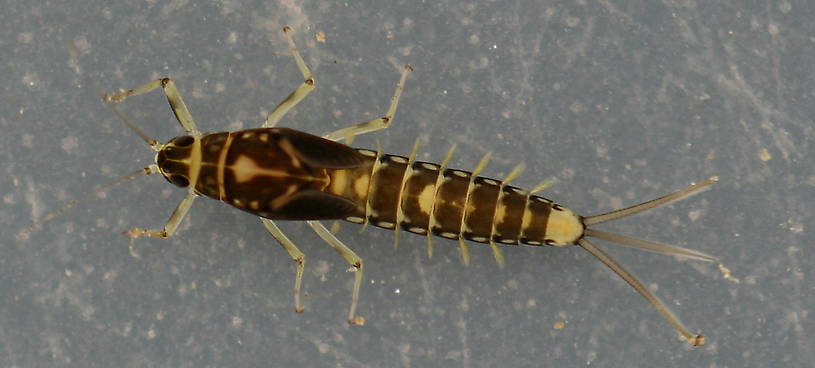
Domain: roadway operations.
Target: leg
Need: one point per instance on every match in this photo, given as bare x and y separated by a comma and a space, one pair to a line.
295, 254
182, 114
172, 223
377, 124
299, 94
352, 258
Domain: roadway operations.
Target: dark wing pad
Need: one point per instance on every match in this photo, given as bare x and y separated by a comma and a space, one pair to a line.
319, 152
312, 204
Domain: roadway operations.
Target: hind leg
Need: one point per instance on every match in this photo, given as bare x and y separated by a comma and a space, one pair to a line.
350, 132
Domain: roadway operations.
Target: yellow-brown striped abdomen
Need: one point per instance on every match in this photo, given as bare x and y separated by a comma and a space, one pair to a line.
420, 196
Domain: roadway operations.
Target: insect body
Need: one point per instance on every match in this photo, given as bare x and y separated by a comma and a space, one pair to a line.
285, 174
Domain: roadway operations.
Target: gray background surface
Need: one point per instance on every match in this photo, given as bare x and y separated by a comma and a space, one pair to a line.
620, 101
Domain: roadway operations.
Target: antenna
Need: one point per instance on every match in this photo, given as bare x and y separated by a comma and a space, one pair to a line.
152, 169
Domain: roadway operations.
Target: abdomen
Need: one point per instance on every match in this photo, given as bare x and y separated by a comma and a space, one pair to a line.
420, 196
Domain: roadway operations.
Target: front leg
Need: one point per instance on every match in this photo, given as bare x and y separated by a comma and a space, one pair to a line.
182, 114
171, 225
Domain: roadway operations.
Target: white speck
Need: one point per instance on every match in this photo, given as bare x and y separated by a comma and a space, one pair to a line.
322, 347
795, 226
30, 80
237, 322
69, 143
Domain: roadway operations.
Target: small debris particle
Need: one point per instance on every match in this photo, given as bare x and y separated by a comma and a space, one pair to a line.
727, 275
765, 155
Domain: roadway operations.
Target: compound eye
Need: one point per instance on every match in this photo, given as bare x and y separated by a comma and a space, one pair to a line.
183, 141
179, 181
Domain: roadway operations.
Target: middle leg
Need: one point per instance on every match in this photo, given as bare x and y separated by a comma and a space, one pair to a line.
287, 104
298, 94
